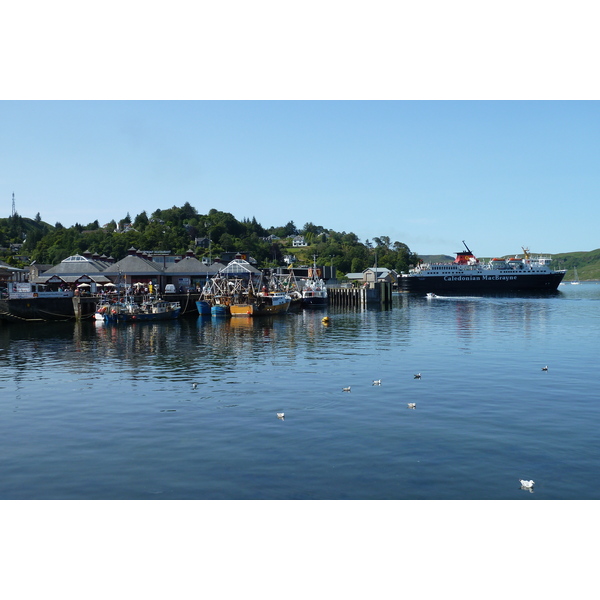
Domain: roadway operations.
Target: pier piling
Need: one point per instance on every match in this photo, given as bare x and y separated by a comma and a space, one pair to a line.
380, 294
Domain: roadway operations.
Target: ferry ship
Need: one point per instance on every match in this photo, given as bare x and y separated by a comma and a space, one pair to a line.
467, 275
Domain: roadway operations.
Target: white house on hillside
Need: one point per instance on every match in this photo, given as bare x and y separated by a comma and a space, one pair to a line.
299, 241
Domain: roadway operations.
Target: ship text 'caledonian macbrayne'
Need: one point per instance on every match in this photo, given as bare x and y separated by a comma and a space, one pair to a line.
467, 275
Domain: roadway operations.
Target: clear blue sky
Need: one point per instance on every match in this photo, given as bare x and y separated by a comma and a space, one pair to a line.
498, 174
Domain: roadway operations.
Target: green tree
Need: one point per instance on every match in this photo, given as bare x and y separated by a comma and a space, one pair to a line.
141, 221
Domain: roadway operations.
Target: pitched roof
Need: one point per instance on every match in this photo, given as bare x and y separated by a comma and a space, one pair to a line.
6, 267
133, 265
191, 266
76, 264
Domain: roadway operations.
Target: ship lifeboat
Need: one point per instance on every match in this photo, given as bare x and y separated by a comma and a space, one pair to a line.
498, 263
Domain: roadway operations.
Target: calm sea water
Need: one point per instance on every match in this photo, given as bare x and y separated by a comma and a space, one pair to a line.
95, 411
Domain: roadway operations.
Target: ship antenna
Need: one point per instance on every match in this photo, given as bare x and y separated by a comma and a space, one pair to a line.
467, 247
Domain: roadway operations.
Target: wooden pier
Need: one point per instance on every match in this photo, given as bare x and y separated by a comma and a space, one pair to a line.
379, 294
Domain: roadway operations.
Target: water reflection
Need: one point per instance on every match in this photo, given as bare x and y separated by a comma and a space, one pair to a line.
177, 350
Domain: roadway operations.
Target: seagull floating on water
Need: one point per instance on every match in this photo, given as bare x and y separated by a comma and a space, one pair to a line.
346, 389
417, 375
527, 483
545, 368
412, 405
194, 386
281, 415
376, 381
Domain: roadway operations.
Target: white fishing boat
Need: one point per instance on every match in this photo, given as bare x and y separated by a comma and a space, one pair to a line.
314, 290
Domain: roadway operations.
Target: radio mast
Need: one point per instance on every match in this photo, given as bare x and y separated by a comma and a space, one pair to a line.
14, 210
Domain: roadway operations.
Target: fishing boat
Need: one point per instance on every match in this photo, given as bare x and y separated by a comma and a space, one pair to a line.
26, 301
215, 298
204, 302
296, 301
468, 275
241, 292
287, 284
248, 301
261, 304
314, 290
128, 311
220, 307
203, 307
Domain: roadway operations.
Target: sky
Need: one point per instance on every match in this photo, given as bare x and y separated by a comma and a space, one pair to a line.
498, 174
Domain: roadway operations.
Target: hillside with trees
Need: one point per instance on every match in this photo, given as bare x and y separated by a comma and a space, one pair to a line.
179, 229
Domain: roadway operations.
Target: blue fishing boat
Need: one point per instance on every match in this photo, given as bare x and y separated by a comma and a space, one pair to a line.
203, 307
219, 310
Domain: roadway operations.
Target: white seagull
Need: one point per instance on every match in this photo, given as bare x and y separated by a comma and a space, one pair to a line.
281, 415
376, 381
194, 386
412, 405
346, 389
527, 483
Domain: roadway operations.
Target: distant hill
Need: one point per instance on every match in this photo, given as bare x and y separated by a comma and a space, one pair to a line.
587, 263
17, 229
26, 225
436, 258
